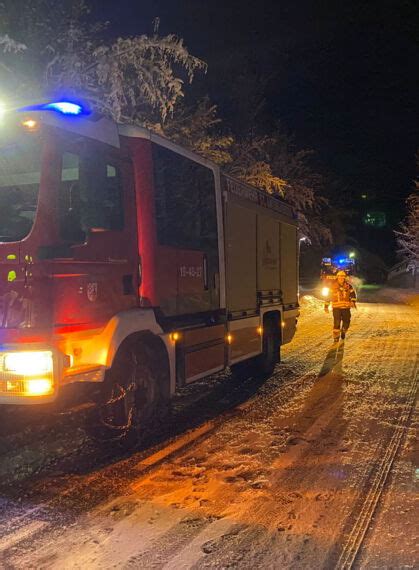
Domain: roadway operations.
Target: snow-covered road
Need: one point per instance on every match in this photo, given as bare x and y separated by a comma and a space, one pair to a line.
305, 471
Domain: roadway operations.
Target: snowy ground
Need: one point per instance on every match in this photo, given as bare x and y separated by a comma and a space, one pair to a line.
284, 475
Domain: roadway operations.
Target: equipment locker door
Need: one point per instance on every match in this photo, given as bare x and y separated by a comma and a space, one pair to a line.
241, 258
289, 264
268, 254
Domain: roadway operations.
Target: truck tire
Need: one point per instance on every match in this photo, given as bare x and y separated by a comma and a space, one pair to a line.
261, 366
271, 342
134, 398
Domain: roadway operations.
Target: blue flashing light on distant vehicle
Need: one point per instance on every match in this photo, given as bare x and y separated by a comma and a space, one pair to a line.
344, 262
331, 265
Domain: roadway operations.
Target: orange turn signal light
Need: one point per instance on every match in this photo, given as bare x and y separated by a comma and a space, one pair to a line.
30, 124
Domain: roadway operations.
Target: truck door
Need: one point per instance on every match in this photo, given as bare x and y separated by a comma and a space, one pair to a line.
96, 272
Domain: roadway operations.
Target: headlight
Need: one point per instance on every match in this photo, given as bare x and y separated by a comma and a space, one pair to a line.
28, 363
325, 291
27, 374
39, 387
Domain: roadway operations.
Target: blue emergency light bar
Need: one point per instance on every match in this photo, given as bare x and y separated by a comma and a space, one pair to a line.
345, 261
64, 107
69, 108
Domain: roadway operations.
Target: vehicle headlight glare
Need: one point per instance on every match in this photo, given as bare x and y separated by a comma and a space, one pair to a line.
31, 363
39, 387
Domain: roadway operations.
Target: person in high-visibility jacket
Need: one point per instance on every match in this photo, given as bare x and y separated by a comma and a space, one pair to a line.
343, 297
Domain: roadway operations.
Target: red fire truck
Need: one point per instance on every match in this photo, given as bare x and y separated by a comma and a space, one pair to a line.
132, 264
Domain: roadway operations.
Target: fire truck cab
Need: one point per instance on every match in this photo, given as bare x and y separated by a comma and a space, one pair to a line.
132, 263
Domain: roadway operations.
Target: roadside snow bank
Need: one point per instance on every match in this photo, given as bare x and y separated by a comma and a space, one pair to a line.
310, 304
406, 296
391, 295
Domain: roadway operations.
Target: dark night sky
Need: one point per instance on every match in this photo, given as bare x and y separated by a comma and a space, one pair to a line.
342, 76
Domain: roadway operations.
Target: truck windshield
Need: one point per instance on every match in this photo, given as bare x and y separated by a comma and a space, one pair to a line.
20, 174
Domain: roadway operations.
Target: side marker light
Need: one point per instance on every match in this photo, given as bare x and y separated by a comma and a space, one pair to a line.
30, 124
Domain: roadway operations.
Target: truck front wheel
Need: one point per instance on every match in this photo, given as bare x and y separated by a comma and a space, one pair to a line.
134, 397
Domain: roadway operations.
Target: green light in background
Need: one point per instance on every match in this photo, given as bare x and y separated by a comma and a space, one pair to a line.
375, 219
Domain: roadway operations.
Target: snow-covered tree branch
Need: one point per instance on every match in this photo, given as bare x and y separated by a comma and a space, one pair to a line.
50, 49
272, 163
65, 53
276, 165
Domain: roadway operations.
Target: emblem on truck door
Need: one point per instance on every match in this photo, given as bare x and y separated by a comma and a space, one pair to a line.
92, 292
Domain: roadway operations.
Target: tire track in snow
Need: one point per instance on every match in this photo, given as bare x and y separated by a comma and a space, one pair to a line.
359, 522
376, 485
23, 533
